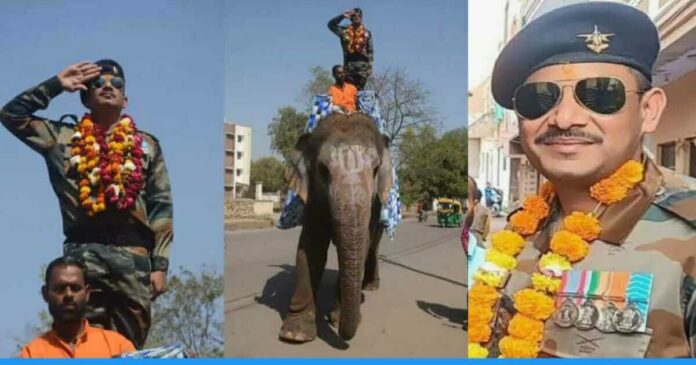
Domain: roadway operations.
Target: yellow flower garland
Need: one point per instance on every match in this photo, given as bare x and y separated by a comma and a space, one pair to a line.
535, 305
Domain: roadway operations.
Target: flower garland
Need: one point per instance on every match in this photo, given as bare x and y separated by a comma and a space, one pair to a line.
535, 305
109, 166
356, 38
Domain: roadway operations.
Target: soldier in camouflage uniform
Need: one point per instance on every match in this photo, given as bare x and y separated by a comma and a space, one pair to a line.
576, 140
357, 64
126, 251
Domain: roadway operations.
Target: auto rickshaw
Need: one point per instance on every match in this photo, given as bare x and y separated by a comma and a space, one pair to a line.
449, 212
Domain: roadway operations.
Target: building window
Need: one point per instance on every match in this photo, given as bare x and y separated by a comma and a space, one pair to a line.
692, 157
240, 139
239, 172
239, 155
668, 155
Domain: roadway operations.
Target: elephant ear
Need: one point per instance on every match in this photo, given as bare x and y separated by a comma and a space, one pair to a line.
385, 179
296, 169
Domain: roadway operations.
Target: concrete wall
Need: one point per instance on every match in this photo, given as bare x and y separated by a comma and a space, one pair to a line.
678, 122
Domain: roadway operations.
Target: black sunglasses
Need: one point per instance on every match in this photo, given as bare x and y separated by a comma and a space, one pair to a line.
601, 95
116, 82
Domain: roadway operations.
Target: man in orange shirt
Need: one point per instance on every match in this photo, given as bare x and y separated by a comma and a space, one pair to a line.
71, 336
343, 94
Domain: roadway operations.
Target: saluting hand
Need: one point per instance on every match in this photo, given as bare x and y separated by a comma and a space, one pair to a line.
159, 283
73, 78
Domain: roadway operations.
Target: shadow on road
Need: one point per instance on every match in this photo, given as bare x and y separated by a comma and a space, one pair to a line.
456, 316
279, 288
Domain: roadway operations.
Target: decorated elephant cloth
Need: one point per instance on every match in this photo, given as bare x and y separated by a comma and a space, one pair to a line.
390, 216
163, 352
321, 109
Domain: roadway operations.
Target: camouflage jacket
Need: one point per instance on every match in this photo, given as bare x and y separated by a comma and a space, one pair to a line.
348, 58
653, 231
152, 215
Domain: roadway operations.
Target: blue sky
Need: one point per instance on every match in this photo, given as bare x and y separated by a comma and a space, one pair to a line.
172, 55
268, 62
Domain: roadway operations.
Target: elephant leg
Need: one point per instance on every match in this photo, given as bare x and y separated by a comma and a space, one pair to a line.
371, 278
300, 323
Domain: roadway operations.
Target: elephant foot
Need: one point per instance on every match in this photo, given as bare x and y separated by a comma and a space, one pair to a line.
335, 315
371, 285
299, 328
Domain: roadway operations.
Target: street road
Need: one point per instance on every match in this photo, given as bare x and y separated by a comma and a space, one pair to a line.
418, 310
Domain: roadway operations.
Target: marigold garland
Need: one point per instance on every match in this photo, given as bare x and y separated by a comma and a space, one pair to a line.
524, 223
585, 225
479, 332
483, 295
615, 187
526, 328
570, 245
536, 206
546, 284
489, 278
476, 351
356, 38
513, 348
552, 264
507, 242
109, 165
535, 305
501, 259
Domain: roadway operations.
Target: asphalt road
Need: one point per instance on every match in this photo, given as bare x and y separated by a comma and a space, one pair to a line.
418, 310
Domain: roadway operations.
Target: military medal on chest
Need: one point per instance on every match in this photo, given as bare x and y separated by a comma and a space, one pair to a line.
607, 301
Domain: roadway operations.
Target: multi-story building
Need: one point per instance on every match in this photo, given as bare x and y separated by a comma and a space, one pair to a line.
237, 159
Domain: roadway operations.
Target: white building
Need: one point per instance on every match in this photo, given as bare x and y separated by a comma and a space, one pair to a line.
237, 159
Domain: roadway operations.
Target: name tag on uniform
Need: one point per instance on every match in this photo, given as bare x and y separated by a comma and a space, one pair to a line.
608, 301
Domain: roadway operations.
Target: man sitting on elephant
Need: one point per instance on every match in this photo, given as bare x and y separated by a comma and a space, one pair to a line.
342, 171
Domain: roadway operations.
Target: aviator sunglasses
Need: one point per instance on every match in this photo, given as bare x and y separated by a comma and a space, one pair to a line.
116, 82
601, 95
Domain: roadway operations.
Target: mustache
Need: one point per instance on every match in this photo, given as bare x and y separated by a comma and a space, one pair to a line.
552, 134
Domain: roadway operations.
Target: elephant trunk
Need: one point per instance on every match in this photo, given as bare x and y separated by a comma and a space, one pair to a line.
351, 259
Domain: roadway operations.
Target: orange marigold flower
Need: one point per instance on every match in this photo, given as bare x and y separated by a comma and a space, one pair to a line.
525, 328
537, 207
533, 304
524, 223
570, 245
513, 348
631, 172
546, 190
609, 191
585, 225
483, 295
508, 242
479, 314
479, 333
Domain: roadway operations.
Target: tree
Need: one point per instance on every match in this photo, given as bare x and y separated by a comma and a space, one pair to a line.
190, 313
319, 83
269, 172
432, 167
404, 102
285, 129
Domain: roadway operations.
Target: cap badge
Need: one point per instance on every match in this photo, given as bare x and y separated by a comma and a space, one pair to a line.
596, 41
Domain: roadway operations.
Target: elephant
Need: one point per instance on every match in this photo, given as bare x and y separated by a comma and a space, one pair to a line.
342, 171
